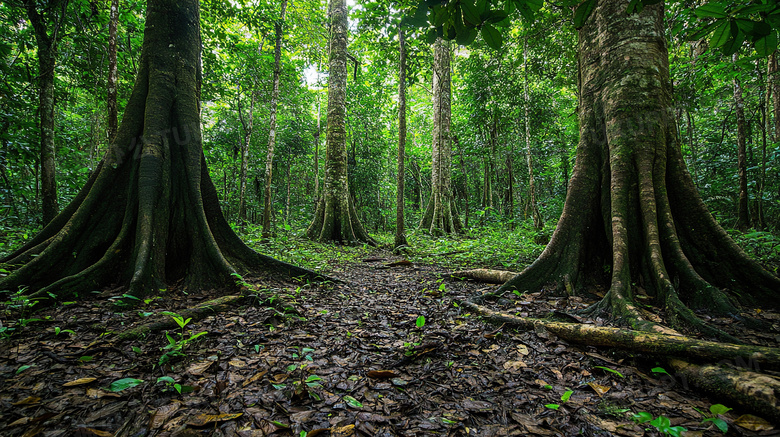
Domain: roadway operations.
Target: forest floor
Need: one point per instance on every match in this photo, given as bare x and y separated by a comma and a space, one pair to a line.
358, 360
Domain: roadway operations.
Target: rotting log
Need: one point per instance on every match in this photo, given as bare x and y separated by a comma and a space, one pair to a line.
639, 341
754, 391
485, 275
751, 390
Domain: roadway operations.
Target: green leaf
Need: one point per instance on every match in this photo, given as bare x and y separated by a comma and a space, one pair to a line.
23, 368
642, 417
313, 378
566, 396
582, 12
718, 422
659, 370
420, 16
735, 42
766, 45
495, 17
167, 379
124, 384
704, 31
719, 409
661, 422
610, 370
552, 406
352, 401
420, 321
721, 35
431, 36
470, 15
711, 10
467, 37
492, 37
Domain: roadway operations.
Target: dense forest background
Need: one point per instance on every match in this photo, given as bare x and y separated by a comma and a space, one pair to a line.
513, 115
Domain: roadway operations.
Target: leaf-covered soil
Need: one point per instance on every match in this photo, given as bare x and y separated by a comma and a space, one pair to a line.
387, 352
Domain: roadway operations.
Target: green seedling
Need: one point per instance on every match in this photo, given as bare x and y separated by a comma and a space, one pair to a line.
661, 423
607, 369
715, 411
58, 330
421, 321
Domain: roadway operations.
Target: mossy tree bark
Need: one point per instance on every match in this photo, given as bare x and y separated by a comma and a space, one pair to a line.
269, 159
633, 218
743, 216
47, 35
441, 215
335, 218
112, 88
149, 216
400, 236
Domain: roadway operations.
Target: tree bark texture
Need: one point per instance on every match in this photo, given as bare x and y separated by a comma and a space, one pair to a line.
400, 228
633, 217
149, 215
335, 218
113, 117
47, 36
441, 213
247, 124
743, 215
269, 159
537, 218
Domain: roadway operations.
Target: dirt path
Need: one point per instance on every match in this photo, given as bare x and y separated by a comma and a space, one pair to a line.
259, 372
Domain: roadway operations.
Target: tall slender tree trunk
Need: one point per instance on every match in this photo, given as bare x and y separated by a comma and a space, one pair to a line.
335, 218
113, 117
441, 213
743, 215
537, 218
47, 56
400, 228
269, 160
247, 123
317, 151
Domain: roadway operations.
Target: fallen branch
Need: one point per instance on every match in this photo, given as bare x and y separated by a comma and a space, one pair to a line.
751, 390
199, 312
485, 275
754, 391
639, 341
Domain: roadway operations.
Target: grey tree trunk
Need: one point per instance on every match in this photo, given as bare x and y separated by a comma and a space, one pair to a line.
335, 218
400, 237
537, 218
441, 213
743, 215
269, 160
247, 125
47, 36
113, 117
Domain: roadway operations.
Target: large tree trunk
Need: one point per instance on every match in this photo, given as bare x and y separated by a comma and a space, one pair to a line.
743, 216
269, 159
400, 237
441, 213
335, 218
149, 215
632, 216
47, 55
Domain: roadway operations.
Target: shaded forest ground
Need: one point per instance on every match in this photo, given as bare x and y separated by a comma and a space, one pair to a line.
260, 371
